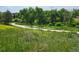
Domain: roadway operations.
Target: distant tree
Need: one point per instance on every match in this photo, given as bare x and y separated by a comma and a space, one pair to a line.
39, 15
65, 16
31, 16
0, 17
75, 13
53, 16
47, 17
7, 17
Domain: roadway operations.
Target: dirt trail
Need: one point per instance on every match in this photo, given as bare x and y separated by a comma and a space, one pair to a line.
22, 26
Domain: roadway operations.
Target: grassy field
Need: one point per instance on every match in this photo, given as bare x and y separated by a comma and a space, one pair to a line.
18, 39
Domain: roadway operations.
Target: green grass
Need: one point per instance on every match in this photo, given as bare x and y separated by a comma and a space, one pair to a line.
3, 27
18, 39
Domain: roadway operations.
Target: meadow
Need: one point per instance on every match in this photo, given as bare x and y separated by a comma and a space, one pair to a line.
13, 39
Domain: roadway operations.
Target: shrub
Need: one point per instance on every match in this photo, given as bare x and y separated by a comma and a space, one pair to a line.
58, 24
16, 20
77, 25
73, 25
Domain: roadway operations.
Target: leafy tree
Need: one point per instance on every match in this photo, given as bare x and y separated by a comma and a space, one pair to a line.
7, 17
53, 16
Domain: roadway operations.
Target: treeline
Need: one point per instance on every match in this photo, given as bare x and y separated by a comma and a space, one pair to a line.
38, 16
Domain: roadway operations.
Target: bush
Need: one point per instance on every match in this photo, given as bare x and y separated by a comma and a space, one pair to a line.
51, 24
16, 20
58, 24
73, 25
77, 25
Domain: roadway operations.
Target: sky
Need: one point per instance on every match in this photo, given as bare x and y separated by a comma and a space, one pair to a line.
17, 8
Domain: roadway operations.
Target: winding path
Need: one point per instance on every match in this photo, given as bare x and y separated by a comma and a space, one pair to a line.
22, 26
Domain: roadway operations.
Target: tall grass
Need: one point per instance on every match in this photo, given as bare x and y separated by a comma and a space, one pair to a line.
18, 39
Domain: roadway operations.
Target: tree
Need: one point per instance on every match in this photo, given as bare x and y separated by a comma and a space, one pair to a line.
75, 13
39, 15
31, 16
65, 16
53, 16
0, 17
7, 17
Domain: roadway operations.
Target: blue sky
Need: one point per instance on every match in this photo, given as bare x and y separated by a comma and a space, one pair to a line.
17, 8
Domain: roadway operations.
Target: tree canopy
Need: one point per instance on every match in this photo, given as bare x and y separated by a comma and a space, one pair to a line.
38, 16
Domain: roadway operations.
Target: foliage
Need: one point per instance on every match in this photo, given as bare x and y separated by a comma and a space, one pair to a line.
38, 16
58, 24
6, 17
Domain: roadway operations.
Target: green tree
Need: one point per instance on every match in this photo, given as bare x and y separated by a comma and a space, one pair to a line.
53, 16
7, 17
65, 16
